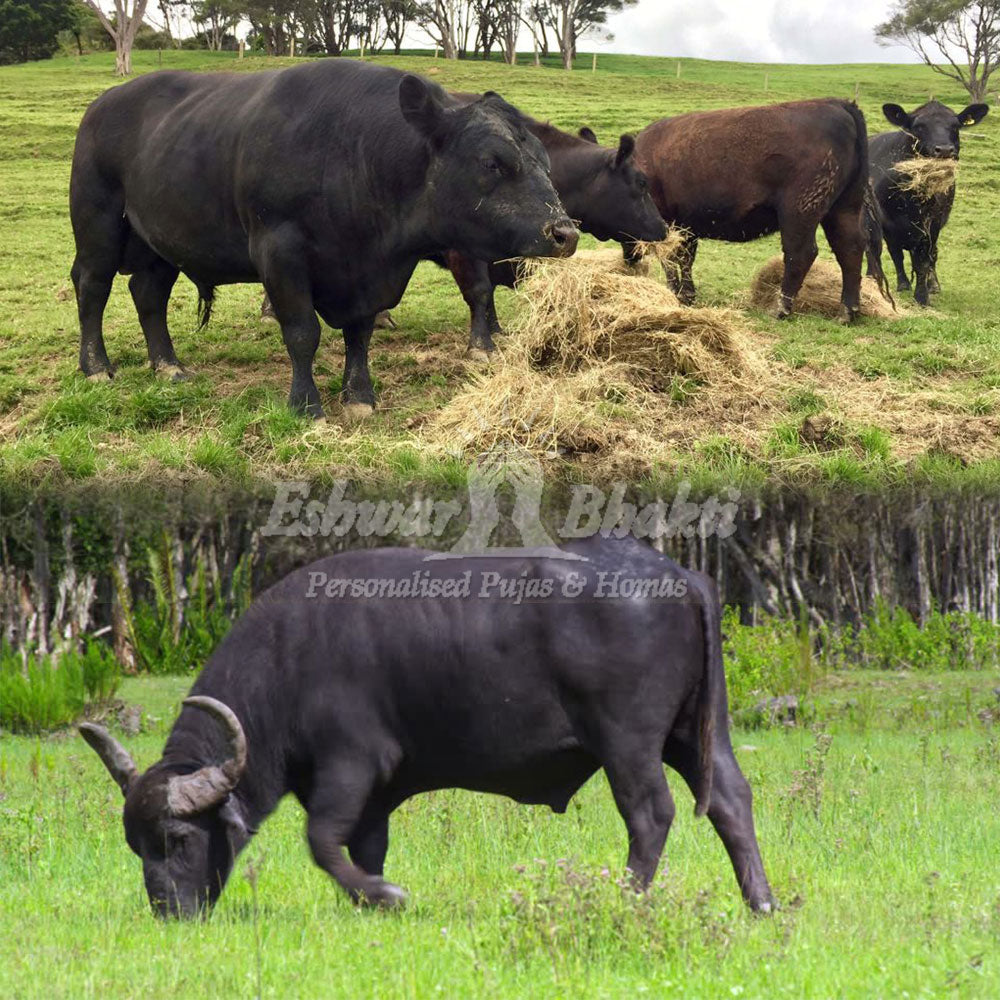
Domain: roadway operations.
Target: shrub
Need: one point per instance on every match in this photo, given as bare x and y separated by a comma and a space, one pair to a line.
43, 691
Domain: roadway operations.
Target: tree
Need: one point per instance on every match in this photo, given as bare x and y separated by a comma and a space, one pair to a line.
216, 18
965, 35
28, 28
448, 22
398, 14
122, 25
570, 20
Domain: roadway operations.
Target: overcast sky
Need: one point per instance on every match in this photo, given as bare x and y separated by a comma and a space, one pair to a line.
789, 31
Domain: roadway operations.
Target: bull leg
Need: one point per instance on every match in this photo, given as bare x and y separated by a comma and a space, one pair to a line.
846, 239
292, 303
730, 811
334, 814
922, 269
933, 285
473, 280
151, 288
798, 246
358, 395
647, 807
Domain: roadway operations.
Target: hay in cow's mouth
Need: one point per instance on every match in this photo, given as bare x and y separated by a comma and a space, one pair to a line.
926, 177
820, 292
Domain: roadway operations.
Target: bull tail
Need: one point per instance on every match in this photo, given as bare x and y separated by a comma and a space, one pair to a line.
206, 299
711, 694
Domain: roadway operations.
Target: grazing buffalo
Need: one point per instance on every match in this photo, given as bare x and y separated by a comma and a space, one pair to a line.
326, 182
603, 193
743, 173
371, 676
908, 220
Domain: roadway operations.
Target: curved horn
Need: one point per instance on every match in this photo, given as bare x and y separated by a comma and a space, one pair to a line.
116, 758
189, 794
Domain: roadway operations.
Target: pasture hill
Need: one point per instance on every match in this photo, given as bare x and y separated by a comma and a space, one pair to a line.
909, 397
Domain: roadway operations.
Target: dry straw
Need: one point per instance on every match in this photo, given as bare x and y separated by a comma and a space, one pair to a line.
593, 357
926, 177
820, 292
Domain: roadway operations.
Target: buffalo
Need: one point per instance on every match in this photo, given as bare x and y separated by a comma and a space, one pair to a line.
908, 221
325, 182
374, 675
742, 173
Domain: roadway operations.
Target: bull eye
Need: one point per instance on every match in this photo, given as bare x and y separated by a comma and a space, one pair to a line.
493, 166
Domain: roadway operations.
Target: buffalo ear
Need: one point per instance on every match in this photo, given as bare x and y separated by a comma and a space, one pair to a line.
897, 116
420, 106
626, 148
973, 114
588, 134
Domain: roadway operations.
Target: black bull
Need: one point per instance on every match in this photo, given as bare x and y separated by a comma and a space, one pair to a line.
326, 182
354, 704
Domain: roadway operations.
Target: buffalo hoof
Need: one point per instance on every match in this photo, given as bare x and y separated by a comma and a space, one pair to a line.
172, 372
384, 895
105, 376
356, 412
478, 355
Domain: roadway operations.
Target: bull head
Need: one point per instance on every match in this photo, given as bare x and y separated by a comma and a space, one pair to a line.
185, 827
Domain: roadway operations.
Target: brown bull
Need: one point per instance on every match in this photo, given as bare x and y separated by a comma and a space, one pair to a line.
743, 173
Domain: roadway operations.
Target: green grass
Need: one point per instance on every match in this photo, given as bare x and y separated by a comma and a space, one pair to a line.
892, 889
227, 422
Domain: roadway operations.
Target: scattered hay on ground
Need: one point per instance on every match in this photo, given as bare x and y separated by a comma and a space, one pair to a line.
598, 362
820, 292
926, 177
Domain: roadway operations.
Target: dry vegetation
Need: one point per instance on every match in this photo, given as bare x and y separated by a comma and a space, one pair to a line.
925, 177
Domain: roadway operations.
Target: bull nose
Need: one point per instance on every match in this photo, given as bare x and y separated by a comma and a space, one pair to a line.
944, 152
565, 236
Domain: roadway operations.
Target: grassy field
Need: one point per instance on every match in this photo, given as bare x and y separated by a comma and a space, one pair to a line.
911, 399
879, 833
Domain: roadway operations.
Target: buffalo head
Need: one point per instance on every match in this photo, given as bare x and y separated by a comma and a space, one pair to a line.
491, 196
615, 203
180, 819
934, 127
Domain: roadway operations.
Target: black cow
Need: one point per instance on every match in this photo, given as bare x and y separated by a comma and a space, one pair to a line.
908, 221
326, 182
371, 676
741, 173
602, 191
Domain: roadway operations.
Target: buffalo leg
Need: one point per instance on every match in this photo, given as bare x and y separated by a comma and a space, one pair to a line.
358, 396
798, 246
369, 843
334, 813
843, 233
730, 811
473, 280
647, 807
151, 288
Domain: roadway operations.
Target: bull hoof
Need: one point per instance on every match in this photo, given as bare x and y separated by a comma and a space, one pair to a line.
781, 312
172, 372
356, 412
478, 355
105, 376
903, 286
269, 318
848, 316
384, 321
764, 908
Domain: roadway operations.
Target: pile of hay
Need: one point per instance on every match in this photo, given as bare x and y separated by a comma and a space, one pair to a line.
592, 365
925, 177
820, 292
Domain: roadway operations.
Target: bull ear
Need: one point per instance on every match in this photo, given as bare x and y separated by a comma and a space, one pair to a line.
973, 114
588, 134
116, 758
420, 106
626, 148
897, 116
